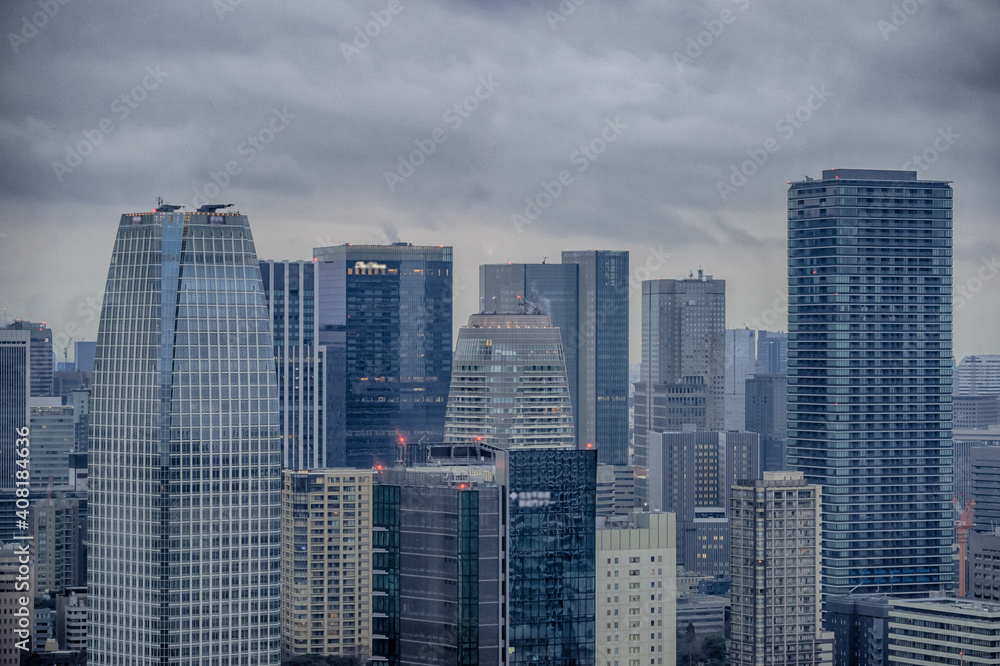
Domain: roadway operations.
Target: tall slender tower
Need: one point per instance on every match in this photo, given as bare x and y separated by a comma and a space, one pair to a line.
185, 455
869, 374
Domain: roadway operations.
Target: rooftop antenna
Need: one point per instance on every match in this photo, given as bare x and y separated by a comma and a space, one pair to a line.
482, 305
494, 305
543, 259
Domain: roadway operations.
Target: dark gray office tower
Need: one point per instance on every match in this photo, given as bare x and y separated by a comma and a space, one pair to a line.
449, 577
860, 626
682, 381
83, 355
290, 288
15, 391
554, 289
185, 454
869, 375
602, 408
767, 414
772, 353
42, 360
385, 314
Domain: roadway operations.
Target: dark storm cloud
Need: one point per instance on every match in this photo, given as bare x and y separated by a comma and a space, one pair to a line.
302, 112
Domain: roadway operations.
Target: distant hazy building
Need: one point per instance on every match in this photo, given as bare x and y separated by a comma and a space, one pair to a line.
869, 374
290, 288
976, 412
985, 485
509, 387
42, 359
683, 361
385, 318
741, 361
978, 375
326, 563
772, 353
636, 590
53, 438
984, 566
775, 568
860, 626
15, 393
767, 415
705, 612
615, 490
55, 524
944, 631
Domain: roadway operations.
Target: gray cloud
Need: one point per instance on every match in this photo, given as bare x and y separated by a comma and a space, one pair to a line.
352, 114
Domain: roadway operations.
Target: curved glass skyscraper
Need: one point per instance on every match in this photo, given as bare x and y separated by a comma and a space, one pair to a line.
185, 455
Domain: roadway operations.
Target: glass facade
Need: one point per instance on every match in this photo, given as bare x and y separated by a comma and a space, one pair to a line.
15, 371
385, 575
185, 456
290, 290
509, 384
550, 497
554, 288
869, 374
602, 408
385, 317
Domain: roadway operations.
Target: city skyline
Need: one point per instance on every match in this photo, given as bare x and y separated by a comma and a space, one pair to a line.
310, 131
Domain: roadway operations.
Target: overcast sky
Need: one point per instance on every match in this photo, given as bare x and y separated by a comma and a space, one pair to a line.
624, 122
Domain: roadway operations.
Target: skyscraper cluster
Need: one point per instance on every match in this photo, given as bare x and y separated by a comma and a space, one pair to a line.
282, 458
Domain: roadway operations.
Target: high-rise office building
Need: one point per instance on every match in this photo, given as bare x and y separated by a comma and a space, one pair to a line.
776, 582
869, 374
554, 290
978, 375
185, 457
290, 288
602, 407
637, 590
15, 395
772, 353
385, 318
586, 297
860, 626
326, 563
682, 376
53, 438
741, 362
508, 385
55, 525
767, 414
42, 360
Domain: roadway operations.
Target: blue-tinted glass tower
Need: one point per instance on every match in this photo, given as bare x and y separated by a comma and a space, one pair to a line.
385, 314
184, 456
869, 374
603, 351
290, 288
